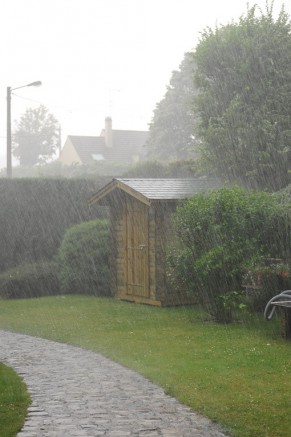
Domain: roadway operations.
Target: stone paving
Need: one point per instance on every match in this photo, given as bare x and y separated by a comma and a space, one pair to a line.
78, 393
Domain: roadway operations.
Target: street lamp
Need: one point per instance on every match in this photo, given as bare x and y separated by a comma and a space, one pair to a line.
9, 142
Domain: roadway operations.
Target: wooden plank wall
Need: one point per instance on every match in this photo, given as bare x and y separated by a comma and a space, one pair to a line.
160, 235
117, 209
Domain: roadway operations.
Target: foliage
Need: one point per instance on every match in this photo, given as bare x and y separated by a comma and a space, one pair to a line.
35, 213
155, 169
56, 169
226, 304
14, 401
91, 170
218, 370
83, 259
147, 169
36, 138
243, 75
185, 168
30, 280
171, 133
223, 234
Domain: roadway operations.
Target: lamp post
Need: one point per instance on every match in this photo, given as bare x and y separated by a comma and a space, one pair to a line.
9, 142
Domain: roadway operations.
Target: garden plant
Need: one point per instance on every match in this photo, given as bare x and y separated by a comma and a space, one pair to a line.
221, 236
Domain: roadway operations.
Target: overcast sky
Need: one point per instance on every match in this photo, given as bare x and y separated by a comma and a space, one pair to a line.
99, 57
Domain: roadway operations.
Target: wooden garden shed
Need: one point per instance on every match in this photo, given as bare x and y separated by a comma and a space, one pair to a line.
140, 212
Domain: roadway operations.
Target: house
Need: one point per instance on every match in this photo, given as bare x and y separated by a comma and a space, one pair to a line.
113, 146
140, 213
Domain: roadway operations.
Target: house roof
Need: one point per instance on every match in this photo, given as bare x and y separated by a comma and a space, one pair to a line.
87, 146
125, 144
150, 190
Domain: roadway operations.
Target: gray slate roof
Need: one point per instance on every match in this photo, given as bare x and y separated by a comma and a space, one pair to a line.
125, 145
147, 190
168, 189
87, 146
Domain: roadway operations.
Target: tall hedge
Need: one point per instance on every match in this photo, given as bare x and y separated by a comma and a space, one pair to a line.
34, 214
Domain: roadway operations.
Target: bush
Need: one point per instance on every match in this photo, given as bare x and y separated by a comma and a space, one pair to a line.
223, 234
187, 168
83, 259
30, 280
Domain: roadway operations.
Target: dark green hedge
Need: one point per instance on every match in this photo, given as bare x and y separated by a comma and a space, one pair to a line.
30, 280
34, 214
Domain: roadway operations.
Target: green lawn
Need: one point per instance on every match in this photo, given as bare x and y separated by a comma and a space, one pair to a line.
238, 374
14, 401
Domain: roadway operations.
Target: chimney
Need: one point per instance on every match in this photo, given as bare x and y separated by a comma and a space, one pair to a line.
108, 131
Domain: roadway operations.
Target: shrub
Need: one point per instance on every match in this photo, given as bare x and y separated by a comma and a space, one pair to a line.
83, 259
223, 234
29, 280
147, 169
186, 168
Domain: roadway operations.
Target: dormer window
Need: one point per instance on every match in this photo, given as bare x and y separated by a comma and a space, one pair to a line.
97, 157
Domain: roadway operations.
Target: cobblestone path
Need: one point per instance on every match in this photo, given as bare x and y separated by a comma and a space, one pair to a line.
76, 392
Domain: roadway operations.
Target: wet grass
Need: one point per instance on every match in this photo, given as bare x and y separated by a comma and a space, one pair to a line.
238, 375
14, 401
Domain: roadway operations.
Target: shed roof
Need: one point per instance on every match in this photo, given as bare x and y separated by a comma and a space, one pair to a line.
149, 190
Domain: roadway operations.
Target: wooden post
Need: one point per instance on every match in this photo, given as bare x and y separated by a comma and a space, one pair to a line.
286, 324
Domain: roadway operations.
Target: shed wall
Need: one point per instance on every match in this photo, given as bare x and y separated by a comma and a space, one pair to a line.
160, 233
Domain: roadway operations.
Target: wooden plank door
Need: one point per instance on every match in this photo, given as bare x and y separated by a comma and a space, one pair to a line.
137, 250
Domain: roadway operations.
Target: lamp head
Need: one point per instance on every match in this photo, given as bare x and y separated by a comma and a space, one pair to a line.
37, 83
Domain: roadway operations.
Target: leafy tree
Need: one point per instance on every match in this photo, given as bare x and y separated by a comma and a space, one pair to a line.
171, 133
36, 137
222, 235
244, 80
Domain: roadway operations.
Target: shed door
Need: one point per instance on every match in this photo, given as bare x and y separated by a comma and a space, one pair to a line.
137, 238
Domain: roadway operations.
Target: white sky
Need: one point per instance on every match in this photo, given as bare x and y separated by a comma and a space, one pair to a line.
100, 57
